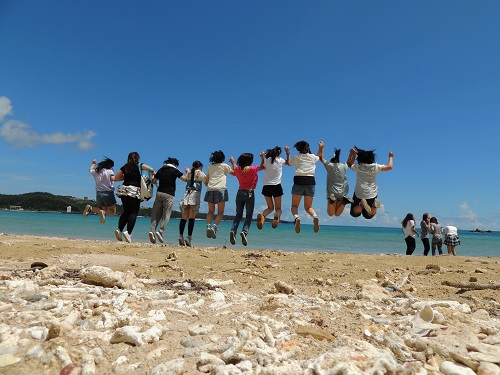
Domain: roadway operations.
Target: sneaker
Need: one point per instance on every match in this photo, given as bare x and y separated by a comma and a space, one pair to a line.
297, 224
244, 238
188, 241
232, 238
102, 216
118, 235
159, 235
214, 232
181, 241
127, 237
209, 231
366, 206
276, 220
87, 210
377, 203
151, 237
260, 221
316, 224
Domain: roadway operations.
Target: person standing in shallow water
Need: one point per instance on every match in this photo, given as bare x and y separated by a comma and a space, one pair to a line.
409, 232
451, 239
437, 236
425, 226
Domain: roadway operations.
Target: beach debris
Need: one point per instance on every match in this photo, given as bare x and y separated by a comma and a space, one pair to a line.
104, 276
471, 285
315, 332
282, 287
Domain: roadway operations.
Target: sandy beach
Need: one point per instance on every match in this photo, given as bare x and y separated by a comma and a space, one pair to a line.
288, 312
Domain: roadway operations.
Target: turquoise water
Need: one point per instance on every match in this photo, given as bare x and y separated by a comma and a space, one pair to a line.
370, 240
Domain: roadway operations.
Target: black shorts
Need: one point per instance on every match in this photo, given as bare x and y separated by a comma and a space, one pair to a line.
272, 190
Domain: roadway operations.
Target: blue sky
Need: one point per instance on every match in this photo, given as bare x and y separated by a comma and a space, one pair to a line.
80, 80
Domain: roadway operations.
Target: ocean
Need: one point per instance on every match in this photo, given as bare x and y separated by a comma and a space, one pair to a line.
353, 239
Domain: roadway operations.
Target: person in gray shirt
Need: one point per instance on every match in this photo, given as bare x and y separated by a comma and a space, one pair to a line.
437, 236
425, 226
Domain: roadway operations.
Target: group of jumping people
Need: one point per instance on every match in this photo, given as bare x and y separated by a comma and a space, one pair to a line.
363, 202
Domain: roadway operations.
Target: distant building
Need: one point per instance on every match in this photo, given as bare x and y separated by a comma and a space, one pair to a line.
16, 208
68, 209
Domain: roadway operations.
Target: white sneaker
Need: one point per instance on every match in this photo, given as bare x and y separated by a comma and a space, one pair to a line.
188, 241
152, 237
181, 241
87, 210
159, 236
244, 238
127, 237
102, 216
297, 225
118, 235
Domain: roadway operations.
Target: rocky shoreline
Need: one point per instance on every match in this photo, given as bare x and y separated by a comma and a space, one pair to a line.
242, 312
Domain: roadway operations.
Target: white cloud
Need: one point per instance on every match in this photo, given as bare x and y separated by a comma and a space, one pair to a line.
20, 134
5, 107
469, 216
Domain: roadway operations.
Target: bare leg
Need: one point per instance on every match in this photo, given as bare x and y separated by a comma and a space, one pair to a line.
357, 209
210, 213
220, 212
331, 207
270, 206
308, 206
339, 208
277, 205
295, 204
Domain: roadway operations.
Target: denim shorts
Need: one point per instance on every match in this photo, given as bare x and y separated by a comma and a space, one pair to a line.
305, 190
105, 198
216, 196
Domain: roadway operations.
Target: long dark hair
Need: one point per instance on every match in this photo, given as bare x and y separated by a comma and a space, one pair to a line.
172, 161
132, 161
408, 217
217, 157
434, 220
336, 156
106, 163
196, 164
365, 156
302, 147
273, 153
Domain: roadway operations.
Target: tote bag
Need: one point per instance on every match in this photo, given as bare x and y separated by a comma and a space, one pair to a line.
146, 184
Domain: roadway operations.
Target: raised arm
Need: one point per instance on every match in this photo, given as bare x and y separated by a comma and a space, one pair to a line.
287, 151
321, 151
92, 166
352, 157
389, 165
262, 158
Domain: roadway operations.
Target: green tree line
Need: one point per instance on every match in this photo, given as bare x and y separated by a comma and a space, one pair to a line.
40, 201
